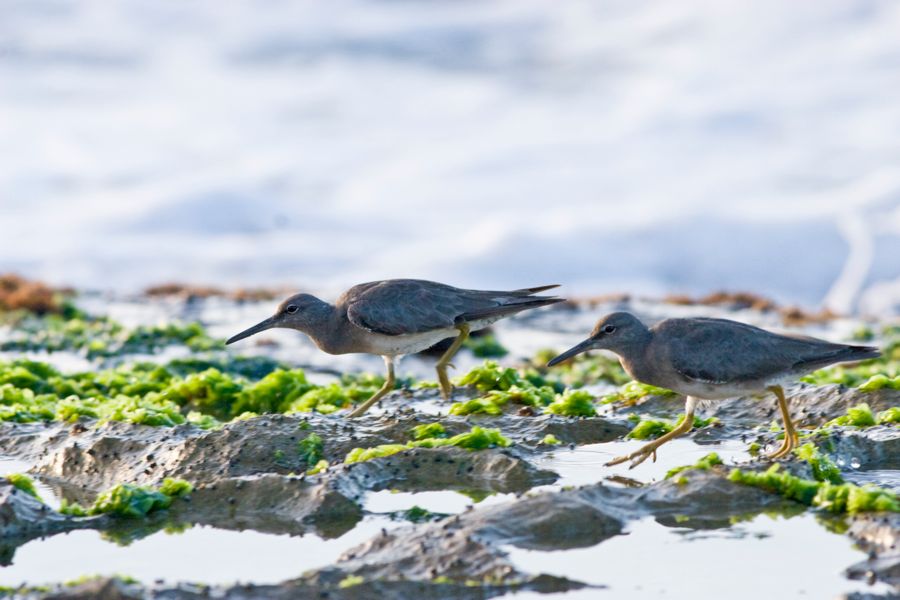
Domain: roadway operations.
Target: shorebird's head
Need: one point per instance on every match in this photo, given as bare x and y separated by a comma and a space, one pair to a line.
300, 311
617, 332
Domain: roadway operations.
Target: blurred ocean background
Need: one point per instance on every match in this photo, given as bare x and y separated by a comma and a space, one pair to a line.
649, 147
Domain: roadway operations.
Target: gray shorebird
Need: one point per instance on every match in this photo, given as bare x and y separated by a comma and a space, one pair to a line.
396, 317
712, 359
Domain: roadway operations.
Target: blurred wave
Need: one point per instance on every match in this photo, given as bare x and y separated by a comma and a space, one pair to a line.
653, 147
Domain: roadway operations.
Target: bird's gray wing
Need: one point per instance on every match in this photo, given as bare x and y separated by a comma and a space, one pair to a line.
720, 351
406, 306
398, 307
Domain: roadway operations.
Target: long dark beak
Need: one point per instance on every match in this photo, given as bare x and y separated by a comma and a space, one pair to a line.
261, 326
578, 349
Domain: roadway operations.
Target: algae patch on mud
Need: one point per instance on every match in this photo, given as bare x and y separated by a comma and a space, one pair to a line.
653, 428
503, 386
101, 337
161, 395
704, 464
823, 468
23, 483
633, 391
868, 375
478, 438
861, 415
835, 498
131, 501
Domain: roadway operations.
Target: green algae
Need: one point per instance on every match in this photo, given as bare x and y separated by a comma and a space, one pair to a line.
861, 415
577, 403
646, 429
275, 393
23, 483
704, 464
428, 430
330, 398
835, 498
417, 514
126, 579
857, 416
485, 346
867, 375
863, 334
73, 509
490, 376
504, 386
549, 440
175, 488
492, 403
350, 581
880, 381
583, 370
312, 449
248, 367
477, 406
319, 467
633, 391
889, 416
101, 336
823, 468
157, 395
478, 438
131, 501
364, 454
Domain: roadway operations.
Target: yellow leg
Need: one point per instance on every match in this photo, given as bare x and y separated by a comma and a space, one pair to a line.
791, 439
443, 380
381, 393
648, 450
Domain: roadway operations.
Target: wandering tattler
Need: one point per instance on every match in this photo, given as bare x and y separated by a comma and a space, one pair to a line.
712, 359
396, 317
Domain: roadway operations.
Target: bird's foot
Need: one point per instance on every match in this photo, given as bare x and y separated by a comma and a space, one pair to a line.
636, 457
787, 446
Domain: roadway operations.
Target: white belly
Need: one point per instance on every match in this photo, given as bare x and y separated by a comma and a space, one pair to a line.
719, 391
397, 345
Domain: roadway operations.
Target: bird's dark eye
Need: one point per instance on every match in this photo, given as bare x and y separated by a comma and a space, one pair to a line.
609, 328
291, 309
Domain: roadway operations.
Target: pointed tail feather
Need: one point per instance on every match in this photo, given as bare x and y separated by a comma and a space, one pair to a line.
862, 352
534, 290
508, 309
841, 354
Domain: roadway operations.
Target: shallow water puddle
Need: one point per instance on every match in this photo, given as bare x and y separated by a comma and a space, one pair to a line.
886, 478
770, 557
446, 502
585, 464
199, 554
9, 466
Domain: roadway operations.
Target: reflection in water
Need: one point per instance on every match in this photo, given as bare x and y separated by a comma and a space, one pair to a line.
14, 465
202, 554
445, 502
767, 556
585, 464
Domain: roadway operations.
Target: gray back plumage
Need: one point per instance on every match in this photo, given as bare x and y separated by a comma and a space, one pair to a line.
407, 306
718, 351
